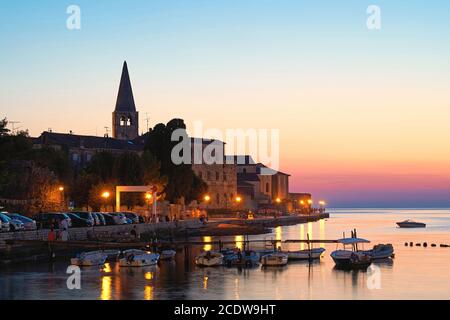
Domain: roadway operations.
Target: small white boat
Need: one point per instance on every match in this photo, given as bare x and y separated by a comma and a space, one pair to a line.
138, 258
167, 254
381, 251
112, 255
315, 253
411, 224
274, 259
91, 258
209, 259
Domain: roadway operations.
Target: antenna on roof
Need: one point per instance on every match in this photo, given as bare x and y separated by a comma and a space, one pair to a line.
13, 126
147, 119
106, 132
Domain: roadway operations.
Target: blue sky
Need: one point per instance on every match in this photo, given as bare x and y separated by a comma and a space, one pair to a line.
249, 63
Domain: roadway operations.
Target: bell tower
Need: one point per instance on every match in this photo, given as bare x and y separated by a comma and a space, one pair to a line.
125, 118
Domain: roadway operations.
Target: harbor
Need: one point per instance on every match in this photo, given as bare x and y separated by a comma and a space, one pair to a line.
181, 278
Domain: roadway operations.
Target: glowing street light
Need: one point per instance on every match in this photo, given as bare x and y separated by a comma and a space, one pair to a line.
148, 196
61, 188
310, 202
322, 203
106, 195
238, 199
207, 198
278, 200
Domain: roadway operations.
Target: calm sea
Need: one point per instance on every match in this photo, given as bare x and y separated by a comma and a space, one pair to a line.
414, 273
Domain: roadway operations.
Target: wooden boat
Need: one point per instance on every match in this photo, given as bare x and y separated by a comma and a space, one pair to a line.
381, 251
91, 258
209, 259
274, 259
167, 254
307, 254
138, 258
351, 259
411, 224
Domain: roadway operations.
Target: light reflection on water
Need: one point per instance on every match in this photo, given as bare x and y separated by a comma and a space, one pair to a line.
405, 277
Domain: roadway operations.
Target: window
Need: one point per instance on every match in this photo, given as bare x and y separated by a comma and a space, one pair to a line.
75, 157
208, 175
267, 187
244, 170
224, 177
218, 199
217, 175
123, 121
200, 175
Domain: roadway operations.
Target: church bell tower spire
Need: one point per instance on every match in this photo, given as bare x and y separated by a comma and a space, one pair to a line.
125, 117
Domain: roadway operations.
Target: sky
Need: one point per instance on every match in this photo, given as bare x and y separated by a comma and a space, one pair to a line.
363, 115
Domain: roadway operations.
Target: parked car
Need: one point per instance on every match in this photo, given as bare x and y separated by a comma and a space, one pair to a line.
78, 222
46, 220
134, 217
28, 224
119, 218
100, 218
85, 215
109, 220
14, 224
4, 223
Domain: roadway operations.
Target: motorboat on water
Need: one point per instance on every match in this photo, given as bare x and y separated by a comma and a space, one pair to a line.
167, 255
277, 259
381, 251
307, 254
138, 258
91, 258
411, 224
354, 258
209, 259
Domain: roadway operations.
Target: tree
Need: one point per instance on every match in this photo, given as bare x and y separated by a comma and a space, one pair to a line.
96, 199
3, 127
181, 180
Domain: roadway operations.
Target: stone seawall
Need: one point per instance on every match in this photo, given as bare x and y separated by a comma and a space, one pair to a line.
84, 233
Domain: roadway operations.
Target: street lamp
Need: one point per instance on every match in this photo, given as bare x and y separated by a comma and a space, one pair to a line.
106, 195
278, 200
207, 198
61, 188
238, 199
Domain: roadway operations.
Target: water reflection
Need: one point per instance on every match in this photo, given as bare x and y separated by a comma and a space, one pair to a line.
239, 242
148, 293
322, 235
302, 236
106, 288
278, 236
207, 247
205, 282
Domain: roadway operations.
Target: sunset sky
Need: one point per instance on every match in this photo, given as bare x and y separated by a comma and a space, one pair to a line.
364, 115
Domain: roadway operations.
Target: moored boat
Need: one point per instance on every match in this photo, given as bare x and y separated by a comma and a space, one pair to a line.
381, 251
167, 254
245, 258
307, 254
411, 224
138, 258
91, 258
351, 259
209, 259
274, 259
112, 254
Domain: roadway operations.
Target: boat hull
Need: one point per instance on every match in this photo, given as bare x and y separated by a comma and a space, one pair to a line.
274, 260
411, 225
344, 259
209, 259
167, 255
305, 254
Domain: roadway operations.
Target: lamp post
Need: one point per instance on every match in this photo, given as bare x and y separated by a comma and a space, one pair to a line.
63, 200
322, 205
106, 195
148, 197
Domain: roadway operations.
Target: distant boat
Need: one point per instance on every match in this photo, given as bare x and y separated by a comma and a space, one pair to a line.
381, 251
274, 259
167, 254
305, 254
138, 258
209, 259
87, 259
351, 259
411, 224
245, 258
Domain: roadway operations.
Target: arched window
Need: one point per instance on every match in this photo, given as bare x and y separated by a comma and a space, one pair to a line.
267, 187
123, 121
129, 121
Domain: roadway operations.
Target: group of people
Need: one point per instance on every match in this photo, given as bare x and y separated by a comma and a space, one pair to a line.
62, 234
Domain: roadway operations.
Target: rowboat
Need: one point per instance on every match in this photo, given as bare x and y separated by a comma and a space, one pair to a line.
91, 258
315, 253
411, 224
138, 258
274, 259
209, 259
167, 254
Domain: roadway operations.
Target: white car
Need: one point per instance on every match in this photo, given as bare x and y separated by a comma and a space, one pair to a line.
29, 224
